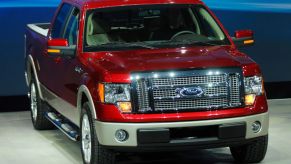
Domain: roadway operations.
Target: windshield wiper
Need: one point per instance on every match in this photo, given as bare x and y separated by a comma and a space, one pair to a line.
187, 42
135, 44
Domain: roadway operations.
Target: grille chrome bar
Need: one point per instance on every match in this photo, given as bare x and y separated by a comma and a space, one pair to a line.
179, 86
192, 104
182, 81
170, 93
220, 90
235, 95
143, 95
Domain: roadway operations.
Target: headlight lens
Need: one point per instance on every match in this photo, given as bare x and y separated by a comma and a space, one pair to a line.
114, 93
254, 85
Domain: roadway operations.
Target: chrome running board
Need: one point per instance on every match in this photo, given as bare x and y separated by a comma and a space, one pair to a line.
64, 127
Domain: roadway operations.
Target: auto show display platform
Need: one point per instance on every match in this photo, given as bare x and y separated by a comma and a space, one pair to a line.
20, 143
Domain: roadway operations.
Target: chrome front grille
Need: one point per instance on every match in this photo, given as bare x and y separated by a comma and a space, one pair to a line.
190, 104
183, 81
165, 91
235, 95
142, 95
171, 92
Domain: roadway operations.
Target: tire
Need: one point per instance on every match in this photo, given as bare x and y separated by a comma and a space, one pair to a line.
251, 153
92, 151
38, 109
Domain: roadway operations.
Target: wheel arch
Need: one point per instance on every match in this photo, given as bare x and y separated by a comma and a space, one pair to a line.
31, 72
84, 95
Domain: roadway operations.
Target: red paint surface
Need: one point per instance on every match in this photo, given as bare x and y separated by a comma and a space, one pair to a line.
109, 113
244, 34
58, 42
61, 78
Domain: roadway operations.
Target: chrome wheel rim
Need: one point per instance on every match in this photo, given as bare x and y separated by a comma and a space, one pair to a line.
86, 139
33, 101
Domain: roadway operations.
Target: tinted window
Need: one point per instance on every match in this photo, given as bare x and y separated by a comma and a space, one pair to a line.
60, 21
72, 28
155, 26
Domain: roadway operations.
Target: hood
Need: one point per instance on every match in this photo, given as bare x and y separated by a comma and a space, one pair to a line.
126, 62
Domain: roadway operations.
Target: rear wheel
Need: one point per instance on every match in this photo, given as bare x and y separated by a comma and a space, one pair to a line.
251, 153
38, 109
92, 151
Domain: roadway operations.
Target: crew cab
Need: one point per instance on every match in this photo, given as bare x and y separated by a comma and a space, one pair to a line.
145, 75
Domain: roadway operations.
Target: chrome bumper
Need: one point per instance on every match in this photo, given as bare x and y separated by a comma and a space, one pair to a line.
106, 131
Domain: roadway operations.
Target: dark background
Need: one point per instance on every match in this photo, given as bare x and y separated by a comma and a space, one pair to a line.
269, 20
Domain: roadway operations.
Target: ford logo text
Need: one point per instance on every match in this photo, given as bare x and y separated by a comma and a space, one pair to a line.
190, 92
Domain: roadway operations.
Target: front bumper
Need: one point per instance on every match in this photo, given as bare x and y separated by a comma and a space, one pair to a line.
242, 125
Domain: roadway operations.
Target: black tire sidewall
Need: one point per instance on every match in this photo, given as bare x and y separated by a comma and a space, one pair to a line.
40, 122
99, 154
34, 122
251, 153
86, 111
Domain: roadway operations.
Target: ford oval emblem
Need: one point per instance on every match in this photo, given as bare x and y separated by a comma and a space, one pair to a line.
190, 92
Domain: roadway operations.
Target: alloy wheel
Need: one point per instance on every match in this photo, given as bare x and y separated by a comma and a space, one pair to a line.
86, 139
33, 101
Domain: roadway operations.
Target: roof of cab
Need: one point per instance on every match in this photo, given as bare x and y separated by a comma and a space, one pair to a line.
112, 3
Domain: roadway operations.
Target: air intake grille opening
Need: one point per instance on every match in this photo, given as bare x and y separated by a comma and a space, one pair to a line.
195, 90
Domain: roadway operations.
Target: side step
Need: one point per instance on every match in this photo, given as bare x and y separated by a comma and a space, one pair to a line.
64, 127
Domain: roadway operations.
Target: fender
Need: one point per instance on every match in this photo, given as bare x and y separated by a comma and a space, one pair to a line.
84, 90
31, 64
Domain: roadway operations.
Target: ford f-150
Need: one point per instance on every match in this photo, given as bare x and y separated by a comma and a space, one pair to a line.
145, 75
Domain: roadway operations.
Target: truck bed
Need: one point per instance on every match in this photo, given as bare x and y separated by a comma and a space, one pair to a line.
40, 28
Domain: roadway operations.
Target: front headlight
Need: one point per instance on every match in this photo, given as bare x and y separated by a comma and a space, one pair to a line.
118, 94
253, 87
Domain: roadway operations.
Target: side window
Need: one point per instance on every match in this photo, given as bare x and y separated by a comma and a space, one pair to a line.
60, 21
72, 28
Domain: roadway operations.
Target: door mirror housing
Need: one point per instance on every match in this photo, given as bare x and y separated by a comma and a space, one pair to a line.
243, 38
60, 48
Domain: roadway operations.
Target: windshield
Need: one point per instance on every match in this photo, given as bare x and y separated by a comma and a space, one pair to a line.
151, 27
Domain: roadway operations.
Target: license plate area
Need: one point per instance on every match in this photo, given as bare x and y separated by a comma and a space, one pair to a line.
191, 134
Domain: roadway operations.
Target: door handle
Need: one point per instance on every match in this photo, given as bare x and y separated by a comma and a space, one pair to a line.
78, 69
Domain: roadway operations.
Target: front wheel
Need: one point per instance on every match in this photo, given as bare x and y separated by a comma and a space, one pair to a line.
92, 151
251, 153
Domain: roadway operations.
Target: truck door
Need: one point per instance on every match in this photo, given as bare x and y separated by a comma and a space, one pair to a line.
62, 79
50, 66
71, 67
69, 79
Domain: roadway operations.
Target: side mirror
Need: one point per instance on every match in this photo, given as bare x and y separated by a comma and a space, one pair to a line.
243, 38
60, 48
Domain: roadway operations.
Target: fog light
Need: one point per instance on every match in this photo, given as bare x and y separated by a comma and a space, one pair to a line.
256, 127
121, 135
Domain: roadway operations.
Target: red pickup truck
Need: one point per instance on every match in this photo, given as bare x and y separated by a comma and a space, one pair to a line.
145, 75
